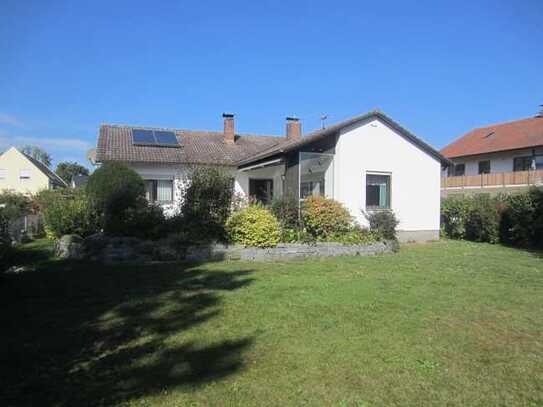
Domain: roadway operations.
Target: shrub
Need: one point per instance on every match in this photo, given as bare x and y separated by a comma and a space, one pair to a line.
6, 250
287, 211
521, 221
324, 217
357, 235
207, 202
537, 221
67, 211
515, 219
482, 219
113, 189
254, 226
453, 217
517, 216
383, 223
15, 204
144, 222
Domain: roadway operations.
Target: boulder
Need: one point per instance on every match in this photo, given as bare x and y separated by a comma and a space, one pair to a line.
69, 247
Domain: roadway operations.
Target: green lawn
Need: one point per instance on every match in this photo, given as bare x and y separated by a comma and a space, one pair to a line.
448, 323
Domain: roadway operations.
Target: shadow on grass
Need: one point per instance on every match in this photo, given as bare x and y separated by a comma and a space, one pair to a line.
83, 334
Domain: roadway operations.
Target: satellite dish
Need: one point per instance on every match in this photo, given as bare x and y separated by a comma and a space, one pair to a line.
91, 156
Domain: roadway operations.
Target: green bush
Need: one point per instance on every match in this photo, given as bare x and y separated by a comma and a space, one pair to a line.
517, 216
357, 235
537, 223
206, 204
15, 204
254, 226
521, 222
144, 222
453, 217
287, 211
67, 211
383, 223
482, 219
515, 219
323, 218
115, 190
6, 250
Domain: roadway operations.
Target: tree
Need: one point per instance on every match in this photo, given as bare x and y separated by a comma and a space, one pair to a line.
67, 170
116, 190
37, 153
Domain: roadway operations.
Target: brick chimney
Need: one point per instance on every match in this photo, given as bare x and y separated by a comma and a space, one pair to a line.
229, 132
294, 128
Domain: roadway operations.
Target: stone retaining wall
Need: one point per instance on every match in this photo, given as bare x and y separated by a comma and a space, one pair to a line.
287, 251
112, 250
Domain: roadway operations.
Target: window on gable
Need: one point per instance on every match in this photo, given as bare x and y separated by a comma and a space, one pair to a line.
484, 167
24, 174
377, 191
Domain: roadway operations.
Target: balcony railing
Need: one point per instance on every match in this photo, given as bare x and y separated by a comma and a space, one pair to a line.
496, 180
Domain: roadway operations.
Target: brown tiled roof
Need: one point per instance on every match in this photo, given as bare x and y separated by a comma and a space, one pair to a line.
334, 129
196, 147
514, 135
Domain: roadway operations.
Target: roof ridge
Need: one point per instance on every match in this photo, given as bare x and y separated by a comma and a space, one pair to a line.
177, 130
503, 123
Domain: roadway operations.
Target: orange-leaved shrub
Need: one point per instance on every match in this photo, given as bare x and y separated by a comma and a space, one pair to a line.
324, 218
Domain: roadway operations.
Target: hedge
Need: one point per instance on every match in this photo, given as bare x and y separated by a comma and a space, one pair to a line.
515, 219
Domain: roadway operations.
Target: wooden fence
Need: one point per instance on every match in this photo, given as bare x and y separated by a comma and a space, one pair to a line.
496, 180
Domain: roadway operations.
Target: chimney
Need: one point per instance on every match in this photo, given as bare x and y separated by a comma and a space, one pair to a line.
229, 133
294, 128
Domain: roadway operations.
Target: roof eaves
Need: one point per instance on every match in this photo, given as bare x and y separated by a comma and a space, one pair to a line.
46, 170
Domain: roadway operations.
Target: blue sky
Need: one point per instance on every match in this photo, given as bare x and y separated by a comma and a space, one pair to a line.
439, 68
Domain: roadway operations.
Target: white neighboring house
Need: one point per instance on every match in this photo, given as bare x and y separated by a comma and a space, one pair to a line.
368, 163
22, 173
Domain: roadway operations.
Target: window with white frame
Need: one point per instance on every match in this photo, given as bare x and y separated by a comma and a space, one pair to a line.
159, 190
377, 191
25, 173
3, 173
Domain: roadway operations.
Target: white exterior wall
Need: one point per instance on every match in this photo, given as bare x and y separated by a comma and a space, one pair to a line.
177, 173
370, 146
275, 173
180, 175
499, 162
415, 175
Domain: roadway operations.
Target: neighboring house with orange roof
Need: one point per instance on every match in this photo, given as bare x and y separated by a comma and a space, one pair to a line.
497, 156
368, 163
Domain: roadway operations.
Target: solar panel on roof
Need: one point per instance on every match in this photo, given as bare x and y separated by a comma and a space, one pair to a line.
165, 138
154, 138
140, 136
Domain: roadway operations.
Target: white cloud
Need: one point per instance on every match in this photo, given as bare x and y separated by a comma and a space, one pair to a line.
10, 120
59, 144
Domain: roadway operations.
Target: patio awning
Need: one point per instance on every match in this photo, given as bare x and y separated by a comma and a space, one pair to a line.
270, 163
